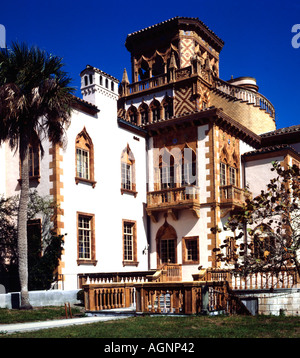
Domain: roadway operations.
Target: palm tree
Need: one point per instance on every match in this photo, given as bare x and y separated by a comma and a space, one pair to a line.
35, 102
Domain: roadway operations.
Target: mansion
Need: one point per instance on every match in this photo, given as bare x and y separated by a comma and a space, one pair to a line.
152, 163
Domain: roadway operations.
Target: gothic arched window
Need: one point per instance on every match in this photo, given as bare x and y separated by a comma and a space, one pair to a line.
166, 244
84, 152
128, 184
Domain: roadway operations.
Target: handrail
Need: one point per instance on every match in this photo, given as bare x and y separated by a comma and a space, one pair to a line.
173, 195
113, 277
232, 193
187, 298
265, 279
245, 95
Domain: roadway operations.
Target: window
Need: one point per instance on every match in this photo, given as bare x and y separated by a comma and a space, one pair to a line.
132, 115
167, 173
86, 238
190, 250
166, 245
223, 174
155, 114
84, 235
228, 175
155, 109
82, 158
129, 243
34, 239
143, 109
168, 109
188, 167
232, 176
264, 245
34, 161
128, 172
167, 104
167, 251
127, 176
84, 161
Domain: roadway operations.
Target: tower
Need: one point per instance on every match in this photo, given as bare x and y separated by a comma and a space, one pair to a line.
197, 128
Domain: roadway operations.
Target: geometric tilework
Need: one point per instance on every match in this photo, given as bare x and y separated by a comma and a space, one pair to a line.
183, 102
187, 47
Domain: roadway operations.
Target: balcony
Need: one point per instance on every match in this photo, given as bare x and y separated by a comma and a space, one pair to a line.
172, 200
231, 195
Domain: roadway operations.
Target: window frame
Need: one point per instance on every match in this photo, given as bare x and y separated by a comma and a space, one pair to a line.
126, 261
92, 259
84, 143
226, 174
85, 171
185, 242
127, 159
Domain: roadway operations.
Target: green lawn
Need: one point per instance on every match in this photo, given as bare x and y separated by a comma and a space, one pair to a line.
160, 327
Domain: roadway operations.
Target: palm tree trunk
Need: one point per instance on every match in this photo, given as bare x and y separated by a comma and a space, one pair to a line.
22, 224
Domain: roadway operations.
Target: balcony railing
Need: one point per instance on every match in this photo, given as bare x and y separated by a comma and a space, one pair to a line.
187, 298
186, 195
212, 290
148, 84
232, 195
157, 297
168, 273
285, 278
245, 95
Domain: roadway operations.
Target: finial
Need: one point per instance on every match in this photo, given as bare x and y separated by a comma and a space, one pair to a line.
125, 77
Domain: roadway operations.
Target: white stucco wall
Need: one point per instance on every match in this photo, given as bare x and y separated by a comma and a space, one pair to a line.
105, 200
258, 173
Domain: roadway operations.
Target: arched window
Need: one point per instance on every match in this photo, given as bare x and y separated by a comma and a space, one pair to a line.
158, 67
144, 111
128, 184
144, 70
167, 104
155, 110
84, 158
166, 245
132, 114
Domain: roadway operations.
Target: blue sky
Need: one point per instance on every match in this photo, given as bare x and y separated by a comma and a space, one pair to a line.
257, 36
